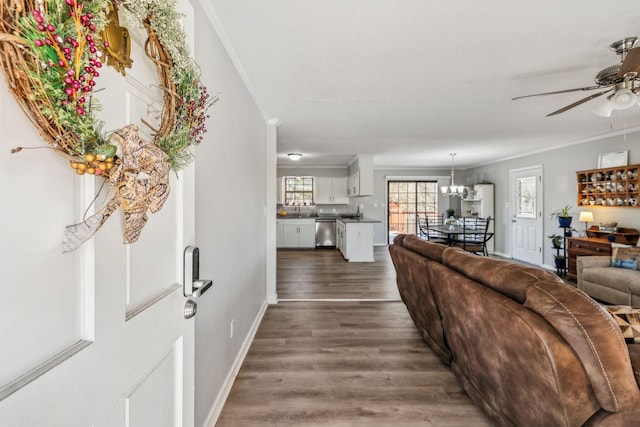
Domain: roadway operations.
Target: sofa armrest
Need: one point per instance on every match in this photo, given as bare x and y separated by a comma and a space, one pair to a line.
583, 262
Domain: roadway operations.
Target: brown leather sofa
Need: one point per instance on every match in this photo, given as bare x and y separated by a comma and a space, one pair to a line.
529, 349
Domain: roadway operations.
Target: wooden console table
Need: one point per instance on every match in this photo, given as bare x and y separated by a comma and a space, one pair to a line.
584, 246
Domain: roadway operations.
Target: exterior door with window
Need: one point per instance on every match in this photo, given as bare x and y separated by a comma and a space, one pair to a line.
405, 200
526, 214
97, 336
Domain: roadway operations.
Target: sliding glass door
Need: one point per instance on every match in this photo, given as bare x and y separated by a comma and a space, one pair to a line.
406, 199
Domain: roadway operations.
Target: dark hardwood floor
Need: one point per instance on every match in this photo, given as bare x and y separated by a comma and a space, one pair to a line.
343, 363
324, 274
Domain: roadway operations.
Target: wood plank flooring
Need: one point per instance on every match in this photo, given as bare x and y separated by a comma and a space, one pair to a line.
324, 274
342, 363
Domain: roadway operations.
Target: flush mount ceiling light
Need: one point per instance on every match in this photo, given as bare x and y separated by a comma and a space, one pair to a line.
295, 156
452, 190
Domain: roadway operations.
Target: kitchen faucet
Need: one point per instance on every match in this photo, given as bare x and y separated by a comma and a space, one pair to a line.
298, 211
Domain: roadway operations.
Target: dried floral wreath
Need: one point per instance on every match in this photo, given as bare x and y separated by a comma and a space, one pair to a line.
52, 52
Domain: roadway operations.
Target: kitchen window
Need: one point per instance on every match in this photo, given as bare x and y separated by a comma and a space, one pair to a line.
298, 190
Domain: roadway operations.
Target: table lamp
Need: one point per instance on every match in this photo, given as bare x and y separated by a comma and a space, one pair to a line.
586, 217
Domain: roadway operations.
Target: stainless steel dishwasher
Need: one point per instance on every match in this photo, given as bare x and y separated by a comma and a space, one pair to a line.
325, 232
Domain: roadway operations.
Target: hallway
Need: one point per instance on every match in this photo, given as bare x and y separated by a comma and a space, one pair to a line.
343, 362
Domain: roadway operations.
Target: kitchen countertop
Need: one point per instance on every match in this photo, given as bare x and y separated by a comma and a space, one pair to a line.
293, 216
346, 220
362, 220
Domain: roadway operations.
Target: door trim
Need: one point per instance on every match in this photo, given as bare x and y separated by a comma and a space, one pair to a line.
539, 206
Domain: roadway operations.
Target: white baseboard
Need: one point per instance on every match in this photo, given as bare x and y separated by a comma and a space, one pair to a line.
218, 404
500, 254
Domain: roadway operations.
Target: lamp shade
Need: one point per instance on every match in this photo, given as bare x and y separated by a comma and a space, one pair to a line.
623, 98
604, 109
586, 216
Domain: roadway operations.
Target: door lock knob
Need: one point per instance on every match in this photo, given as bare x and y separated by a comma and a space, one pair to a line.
190, 309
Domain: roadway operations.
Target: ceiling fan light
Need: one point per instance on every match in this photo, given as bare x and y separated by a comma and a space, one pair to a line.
604, 109
623, 98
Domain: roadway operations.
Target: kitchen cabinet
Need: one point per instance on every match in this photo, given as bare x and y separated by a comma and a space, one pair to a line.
331, 191
296, 233
355, 240
354, 184
340, 237
361, 177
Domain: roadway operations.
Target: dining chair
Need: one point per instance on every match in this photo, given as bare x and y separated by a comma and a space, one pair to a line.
426, 233
475, 235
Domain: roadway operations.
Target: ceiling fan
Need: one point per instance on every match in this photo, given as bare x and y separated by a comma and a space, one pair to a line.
619, 81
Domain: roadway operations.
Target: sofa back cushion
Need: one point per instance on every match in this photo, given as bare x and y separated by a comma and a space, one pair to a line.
415, 290
507, 277
432, 251
594, 336
516, 364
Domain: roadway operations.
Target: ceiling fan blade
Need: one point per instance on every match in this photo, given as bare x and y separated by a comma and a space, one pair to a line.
559, 91
580, 102
631, 62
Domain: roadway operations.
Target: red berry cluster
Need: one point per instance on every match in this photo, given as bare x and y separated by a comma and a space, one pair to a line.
196, 114
77, 76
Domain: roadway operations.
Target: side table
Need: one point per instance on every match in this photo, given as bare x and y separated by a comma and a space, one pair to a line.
584, 246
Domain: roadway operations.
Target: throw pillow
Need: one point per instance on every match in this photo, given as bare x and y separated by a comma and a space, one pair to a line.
628, 319
624, 256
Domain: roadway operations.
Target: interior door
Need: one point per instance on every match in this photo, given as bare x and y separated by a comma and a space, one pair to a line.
526, 214
97, 336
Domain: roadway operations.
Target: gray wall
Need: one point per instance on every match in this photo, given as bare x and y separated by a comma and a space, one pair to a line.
559, 185
230, 206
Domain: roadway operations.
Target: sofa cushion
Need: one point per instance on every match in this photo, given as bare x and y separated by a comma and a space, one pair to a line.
427, 249
509, 359
413, 284
628, 319
504, 276
625, 257
615, 278
594, 336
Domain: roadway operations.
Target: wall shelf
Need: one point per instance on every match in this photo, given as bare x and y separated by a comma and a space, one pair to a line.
609, 187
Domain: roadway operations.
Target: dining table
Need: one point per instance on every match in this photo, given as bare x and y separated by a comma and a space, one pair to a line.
450, 232
455, 233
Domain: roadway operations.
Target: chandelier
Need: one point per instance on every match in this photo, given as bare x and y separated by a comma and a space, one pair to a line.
452, 190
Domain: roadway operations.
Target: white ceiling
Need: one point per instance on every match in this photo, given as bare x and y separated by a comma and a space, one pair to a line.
411, 81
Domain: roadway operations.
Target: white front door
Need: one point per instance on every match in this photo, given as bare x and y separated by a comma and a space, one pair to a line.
526, 214
97, 336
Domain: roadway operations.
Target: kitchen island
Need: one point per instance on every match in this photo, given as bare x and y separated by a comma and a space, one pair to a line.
354, 238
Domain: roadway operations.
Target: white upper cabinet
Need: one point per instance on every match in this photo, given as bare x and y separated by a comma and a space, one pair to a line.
361, 176
331, 190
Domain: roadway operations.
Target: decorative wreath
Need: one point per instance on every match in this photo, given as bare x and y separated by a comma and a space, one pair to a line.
52, 52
